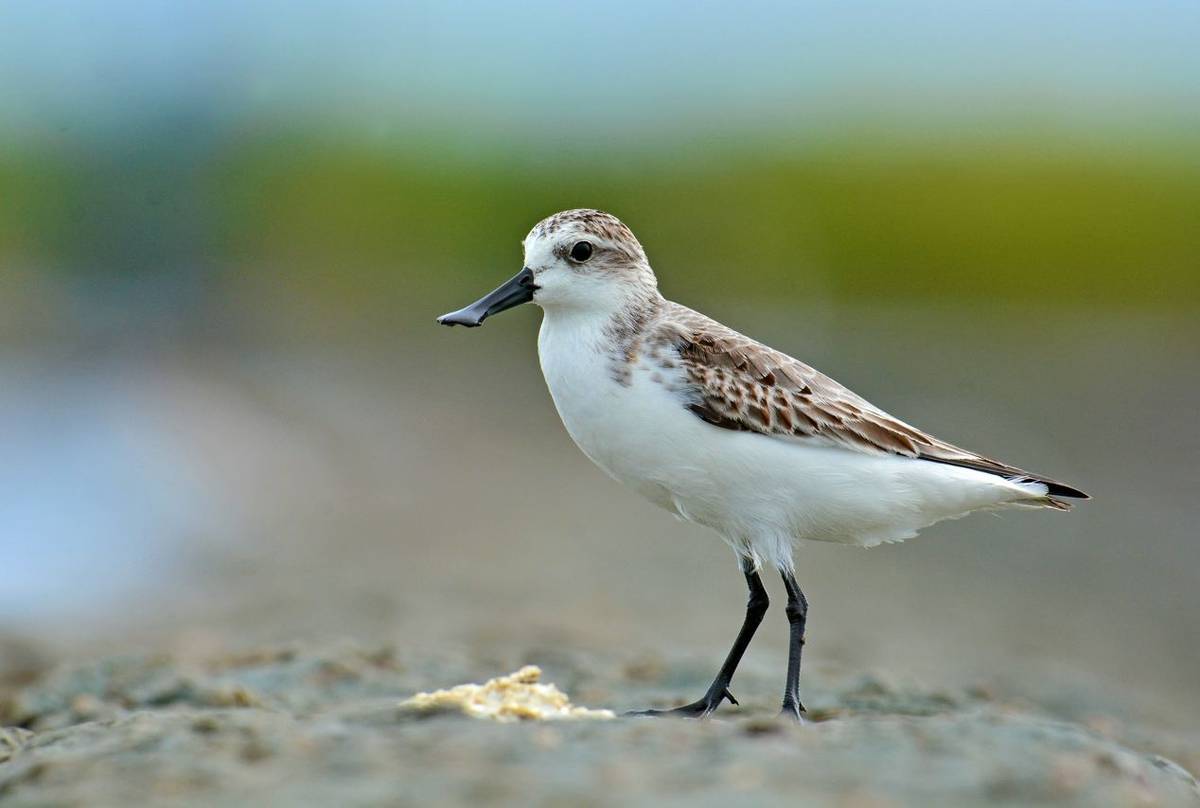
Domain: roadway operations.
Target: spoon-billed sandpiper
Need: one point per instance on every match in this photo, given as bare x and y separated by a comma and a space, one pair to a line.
726, 432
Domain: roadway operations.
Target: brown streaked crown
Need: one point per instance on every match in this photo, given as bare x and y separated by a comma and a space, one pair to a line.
611, 233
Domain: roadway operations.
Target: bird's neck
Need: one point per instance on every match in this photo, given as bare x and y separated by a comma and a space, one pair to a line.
604, 328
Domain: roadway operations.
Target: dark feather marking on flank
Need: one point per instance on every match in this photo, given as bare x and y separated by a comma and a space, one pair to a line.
717, 419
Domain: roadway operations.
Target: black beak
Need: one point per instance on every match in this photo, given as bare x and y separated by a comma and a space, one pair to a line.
513, 292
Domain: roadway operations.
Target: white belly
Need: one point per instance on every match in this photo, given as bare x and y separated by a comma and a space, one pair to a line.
760, 493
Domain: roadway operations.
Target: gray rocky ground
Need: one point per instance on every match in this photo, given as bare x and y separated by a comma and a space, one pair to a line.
321, 726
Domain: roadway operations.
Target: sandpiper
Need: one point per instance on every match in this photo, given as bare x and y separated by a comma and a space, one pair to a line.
726, 432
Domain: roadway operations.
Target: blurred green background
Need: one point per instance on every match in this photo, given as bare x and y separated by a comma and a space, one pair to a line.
225, 229
1012, 152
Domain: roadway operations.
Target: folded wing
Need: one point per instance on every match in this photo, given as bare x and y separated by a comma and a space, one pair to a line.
740, 384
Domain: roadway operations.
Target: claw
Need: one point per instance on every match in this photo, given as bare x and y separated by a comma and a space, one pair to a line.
697, 709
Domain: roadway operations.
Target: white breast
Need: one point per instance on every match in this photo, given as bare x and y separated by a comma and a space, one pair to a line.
626, 424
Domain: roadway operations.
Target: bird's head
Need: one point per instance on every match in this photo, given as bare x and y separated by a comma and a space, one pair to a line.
581, 259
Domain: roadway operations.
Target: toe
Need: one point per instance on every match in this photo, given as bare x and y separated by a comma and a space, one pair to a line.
793, 712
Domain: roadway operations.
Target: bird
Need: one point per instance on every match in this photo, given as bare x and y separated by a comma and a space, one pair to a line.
728, 433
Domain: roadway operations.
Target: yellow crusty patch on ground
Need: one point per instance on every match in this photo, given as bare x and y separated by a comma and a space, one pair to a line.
519, 696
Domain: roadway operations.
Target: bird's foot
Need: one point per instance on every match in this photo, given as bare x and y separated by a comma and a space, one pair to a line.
793, 709
697, 709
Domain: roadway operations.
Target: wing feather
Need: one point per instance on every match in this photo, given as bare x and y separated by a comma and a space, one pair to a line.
741, 384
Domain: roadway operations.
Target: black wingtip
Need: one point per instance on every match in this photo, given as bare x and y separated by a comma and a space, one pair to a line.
1061, 490
1053, 487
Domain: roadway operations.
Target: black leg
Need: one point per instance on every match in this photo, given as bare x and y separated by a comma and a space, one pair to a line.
718, 691
797, 614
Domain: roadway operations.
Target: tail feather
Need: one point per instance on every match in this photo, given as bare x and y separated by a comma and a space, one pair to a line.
1041, 502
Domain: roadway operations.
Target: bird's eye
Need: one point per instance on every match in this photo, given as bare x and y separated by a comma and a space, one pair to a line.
581, 252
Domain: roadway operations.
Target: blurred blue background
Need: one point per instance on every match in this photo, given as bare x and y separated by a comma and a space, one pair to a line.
225, 229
